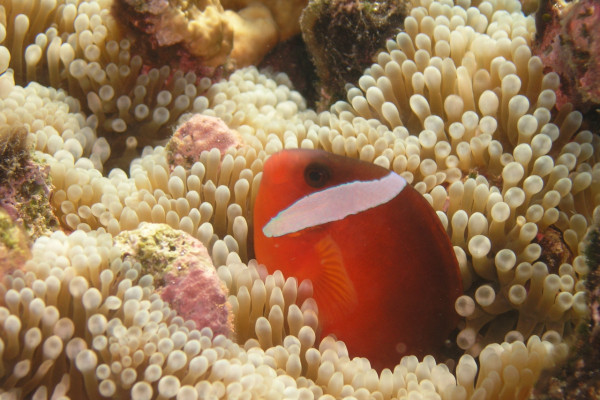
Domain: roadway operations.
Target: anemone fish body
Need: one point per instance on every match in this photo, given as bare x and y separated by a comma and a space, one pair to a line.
383, 270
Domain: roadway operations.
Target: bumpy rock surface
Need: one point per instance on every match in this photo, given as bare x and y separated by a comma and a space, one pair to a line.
183, 273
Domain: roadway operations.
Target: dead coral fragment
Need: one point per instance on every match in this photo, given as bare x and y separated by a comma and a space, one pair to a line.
183, 274
200, 133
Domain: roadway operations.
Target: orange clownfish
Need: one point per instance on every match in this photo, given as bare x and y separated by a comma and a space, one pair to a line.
384, 273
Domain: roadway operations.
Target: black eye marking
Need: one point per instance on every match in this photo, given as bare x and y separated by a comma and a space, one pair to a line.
317, 175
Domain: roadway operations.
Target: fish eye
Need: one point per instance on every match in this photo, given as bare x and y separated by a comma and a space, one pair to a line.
316, 175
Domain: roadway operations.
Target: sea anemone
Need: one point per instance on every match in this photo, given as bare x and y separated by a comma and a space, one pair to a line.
457, 105
79, 47
79, 321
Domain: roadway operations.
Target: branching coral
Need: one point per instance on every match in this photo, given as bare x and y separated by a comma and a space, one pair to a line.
255, 33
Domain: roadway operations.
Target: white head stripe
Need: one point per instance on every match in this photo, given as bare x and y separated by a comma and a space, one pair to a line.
334, 203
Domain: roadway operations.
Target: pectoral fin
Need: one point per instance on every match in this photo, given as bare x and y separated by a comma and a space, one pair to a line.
333, 289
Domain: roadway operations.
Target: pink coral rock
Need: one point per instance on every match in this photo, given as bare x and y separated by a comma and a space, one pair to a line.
183, 272
200, 133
